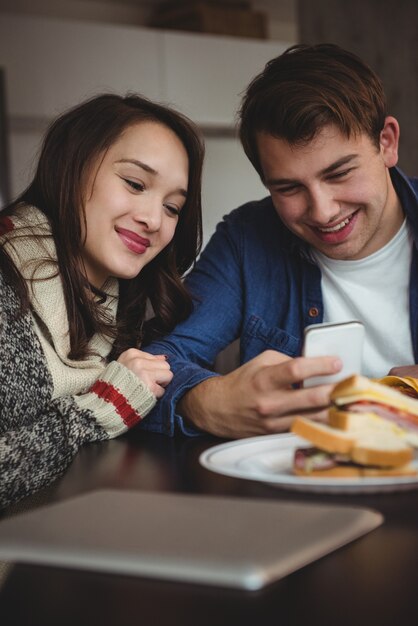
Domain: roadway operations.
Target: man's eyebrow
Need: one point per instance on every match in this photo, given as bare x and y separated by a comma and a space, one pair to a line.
270, 182
150, 170
337, 164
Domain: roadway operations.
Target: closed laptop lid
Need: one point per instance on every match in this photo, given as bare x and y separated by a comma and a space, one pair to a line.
225, 541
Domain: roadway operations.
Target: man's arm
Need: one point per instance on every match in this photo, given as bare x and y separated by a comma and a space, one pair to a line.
216, 285
258, 397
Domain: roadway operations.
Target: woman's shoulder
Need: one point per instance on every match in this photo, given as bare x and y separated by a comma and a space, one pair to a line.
9, 300
6, 224
26, 217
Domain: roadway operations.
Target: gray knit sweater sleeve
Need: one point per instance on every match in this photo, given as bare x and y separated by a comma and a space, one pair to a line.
39, 435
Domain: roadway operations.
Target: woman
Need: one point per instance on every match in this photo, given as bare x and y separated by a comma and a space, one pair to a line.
91, 259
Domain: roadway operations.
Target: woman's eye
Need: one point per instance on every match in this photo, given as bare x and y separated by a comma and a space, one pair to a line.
172, 209
134, 185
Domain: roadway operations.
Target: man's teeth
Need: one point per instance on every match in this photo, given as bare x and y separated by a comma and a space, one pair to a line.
333, 229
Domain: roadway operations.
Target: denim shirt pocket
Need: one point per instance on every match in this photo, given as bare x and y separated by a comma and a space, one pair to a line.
259, 336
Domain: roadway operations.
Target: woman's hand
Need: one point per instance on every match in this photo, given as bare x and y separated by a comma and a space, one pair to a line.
152, 369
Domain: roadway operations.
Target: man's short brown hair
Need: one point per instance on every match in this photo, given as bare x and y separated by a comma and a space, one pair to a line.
307, 88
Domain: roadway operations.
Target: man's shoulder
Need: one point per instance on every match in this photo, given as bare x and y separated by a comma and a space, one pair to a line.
413, 181
249, 209
403, 182
258, 214
257, 222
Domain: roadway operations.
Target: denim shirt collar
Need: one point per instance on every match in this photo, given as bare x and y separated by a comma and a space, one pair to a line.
407, 192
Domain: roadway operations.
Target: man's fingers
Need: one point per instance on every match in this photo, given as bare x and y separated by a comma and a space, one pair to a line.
282, 424
282, 402
271, 357
294, 371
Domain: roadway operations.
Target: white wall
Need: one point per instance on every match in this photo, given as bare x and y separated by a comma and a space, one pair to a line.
229, 180
23, 148
60, 62
281, 14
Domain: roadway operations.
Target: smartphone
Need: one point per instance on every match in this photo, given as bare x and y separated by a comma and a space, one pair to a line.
344, 340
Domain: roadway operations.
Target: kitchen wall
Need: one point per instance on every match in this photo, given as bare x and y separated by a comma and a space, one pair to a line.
385, 34
281, 14
42, 80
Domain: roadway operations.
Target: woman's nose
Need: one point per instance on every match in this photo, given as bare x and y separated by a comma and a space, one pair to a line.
150, 214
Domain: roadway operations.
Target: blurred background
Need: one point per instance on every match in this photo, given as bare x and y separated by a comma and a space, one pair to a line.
195, 56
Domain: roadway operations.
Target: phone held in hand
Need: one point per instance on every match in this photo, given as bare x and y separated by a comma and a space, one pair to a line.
344, 339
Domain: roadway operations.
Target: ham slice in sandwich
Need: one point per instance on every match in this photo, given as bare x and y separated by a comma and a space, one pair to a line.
372, 430
390, 398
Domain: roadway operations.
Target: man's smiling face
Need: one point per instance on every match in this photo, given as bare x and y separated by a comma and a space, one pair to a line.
335, 192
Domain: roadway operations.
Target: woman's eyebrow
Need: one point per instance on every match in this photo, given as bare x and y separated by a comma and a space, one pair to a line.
140, 164
150, 170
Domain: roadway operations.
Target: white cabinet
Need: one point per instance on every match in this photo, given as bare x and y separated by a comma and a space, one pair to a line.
53, 64
205, 76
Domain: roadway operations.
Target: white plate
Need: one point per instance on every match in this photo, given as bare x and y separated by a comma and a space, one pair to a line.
269, 459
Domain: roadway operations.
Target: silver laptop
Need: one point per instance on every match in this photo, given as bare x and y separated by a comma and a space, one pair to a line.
225, 541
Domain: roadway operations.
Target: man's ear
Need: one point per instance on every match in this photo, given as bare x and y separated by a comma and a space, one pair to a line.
389, 141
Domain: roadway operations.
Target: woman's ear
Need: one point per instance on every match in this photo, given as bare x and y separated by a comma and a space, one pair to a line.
389, 141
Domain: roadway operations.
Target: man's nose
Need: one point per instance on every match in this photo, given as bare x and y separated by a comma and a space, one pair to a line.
322, 205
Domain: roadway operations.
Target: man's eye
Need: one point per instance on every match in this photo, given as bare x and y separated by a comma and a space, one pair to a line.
337, 175
134, 185
287, 191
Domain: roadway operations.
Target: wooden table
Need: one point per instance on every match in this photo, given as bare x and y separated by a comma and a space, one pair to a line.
373, 580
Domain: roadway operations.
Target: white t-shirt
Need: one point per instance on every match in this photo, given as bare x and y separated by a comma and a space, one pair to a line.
374, 290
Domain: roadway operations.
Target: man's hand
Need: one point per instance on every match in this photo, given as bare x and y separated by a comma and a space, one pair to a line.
259, 397
404, 370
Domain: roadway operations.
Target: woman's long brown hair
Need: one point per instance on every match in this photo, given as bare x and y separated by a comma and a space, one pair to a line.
72, 146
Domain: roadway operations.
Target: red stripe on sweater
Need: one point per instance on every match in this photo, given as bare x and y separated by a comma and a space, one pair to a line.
6, 225
110, 394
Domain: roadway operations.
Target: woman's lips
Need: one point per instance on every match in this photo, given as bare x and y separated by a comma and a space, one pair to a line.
132, 241
339, 231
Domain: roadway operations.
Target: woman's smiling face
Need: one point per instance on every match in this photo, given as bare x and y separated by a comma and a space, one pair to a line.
134, 198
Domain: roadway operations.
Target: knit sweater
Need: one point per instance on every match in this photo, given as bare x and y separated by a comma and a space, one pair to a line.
51, 405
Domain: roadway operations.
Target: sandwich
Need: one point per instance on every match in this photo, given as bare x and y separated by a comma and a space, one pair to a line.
334, 452
377, 399
371, 431
406, 385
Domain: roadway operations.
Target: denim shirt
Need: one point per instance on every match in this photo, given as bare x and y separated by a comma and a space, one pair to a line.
254, 280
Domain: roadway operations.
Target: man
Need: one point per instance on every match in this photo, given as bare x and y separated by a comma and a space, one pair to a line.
334, 241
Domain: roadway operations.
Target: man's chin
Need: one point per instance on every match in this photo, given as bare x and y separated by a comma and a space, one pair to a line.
338, 252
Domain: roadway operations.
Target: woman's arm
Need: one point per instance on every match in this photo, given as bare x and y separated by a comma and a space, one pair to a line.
41, 444
32, 455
